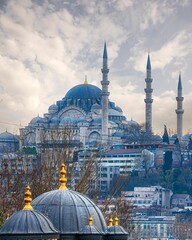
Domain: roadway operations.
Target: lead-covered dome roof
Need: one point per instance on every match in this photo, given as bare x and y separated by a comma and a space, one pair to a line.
84, 91
68, 210
28, 224
7, 136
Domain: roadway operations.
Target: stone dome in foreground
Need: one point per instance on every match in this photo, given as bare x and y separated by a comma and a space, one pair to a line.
28, 224
68, 210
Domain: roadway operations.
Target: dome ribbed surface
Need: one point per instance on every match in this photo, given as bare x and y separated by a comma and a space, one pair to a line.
69, 211
28, 222
116, 230
84, 91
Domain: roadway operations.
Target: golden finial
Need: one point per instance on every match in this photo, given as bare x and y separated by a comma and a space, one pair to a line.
63, 178
7, 216
86, 82
28, 199
116, 220
90, 220
110, 221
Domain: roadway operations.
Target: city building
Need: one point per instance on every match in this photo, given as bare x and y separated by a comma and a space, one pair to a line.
153, 227
145, 197
183, 201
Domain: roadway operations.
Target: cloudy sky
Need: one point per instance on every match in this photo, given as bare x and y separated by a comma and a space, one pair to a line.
48, 46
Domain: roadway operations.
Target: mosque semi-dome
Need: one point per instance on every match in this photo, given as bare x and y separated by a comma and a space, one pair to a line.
84, 91
68, 210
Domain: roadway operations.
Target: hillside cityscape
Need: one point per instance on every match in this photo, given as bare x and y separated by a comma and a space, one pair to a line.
86, 170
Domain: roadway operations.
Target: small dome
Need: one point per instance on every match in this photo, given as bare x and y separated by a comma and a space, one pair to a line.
133, 123
7, 136
84, 91
90, 232
53, 109
55, 120
82, 120
118, 134
68, 121
29, 222
37, 120
116, 230
113, 112
96, 106
97, 120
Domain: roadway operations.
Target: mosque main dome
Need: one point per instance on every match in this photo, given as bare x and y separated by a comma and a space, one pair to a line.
84, 91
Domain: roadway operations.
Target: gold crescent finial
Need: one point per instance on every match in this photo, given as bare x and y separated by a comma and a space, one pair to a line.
63, 179
28, 199
110, 221
90, 220
116, 220
86, 82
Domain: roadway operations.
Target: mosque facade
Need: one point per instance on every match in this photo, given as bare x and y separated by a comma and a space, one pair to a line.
85, 112
86, 116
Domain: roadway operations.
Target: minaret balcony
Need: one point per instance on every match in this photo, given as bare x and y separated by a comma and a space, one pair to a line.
179, 111
148, 90
148, 80
148, 100
104, 82
179, 99
105, 70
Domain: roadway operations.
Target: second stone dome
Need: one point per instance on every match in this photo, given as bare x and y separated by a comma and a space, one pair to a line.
68, 210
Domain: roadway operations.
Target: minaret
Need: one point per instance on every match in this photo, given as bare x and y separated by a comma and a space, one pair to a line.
105, 95
179, 111
148, 100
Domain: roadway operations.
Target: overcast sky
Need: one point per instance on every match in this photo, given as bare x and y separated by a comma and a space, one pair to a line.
47, 47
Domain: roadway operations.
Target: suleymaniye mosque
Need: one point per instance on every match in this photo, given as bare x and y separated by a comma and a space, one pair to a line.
86, 110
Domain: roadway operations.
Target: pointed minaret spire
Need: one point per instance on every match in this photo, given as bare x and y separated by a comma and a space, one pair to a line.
105, 51
105, 95
179, 82
179, 111
148, 63
148, 100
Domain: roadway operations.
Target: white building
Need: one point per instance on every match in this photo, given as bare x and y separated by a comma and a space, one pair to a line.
153, 227
145, 197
